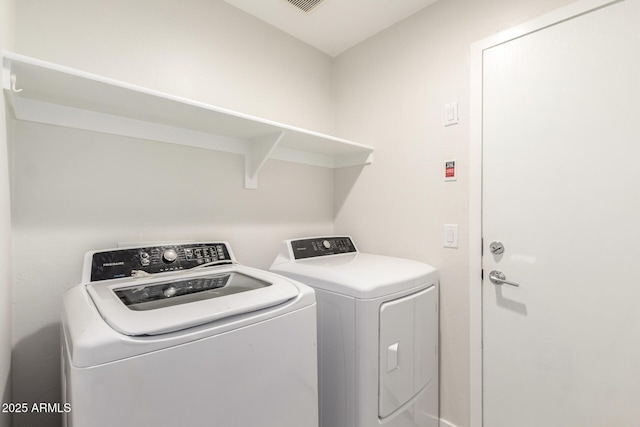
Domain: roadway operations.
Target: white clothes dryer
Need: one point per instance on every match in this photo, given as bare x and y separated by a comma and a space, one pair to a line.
377, 333
183, 335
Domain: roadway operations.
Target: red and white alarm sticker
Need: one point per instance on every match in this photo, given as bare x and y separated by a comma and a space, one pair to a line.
450, 170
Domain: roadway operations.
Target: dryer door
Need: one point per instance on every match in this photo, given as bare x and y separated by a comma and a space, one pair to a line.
408, 332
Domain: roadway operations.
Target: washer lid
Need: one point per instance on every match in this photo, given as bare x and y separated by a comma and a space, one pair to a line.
178, 301
357, 274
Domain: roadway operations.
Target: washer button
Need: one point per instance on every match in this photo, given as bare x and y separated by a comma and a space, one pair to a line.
170, 255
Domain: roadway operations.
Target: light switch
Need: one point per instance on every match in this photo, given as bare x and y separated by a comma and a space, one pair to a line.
451, 235
451, 114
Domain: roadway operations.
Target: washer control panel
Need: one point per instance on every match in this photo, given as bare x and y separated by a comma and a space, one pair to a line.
118, 263
322, 246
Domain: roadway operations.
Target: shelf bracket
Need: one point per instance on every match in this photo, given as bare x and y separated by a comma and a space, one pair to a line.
259, 152
354, 159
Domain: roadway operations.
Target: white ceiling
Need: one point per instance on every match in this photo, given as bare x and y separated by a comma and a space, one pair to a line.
334, 25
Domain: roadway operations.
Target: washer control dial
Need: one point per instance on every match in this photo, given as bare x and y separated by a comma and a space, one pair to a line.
326, 244
169, 256
145, 259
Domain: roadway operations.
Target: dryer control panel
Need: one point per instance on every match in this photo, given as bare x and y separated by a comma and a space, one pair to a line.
119, 263
322, 246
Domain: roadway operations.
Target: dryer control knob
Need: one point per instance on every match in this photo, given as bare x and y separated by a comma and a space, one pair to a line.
326, 244
170, 255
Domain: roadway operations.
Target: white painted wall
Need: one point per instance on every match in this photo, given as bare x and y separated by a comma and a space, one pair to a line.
6, 42
75, 190
198, 49
390, 92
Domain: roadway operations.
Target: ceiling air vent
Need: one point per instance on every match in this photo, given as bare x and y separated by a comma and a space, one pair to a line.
305, 5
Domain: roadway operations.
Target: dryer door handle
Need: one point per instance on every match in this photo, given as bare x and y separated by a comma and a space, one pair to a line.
392, 357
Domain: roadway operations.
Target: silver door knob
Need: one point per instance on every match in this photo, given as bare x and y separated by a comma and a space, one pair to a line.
498, 278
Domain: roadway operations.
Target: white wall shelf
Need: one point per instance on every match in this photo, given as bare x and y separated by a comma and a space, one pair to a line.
44, 92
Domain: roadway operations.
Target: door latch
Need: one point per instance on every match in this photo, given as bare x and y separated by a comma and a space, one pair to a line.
498, 278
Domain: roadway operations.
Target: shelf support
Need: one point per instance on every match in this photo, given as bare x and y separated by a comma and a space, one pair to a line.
354, 159
259, 151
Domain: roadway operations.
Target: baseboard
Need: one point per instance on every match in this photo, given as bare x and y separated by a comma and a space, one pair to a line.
445, 423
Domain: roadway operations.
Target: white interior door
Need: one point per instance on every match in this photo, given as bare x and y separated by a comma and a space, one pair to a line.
561, 191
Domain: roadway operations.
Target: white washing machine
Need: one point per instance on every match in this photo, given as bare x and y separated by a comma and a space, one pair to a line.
377, 333
182, 335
